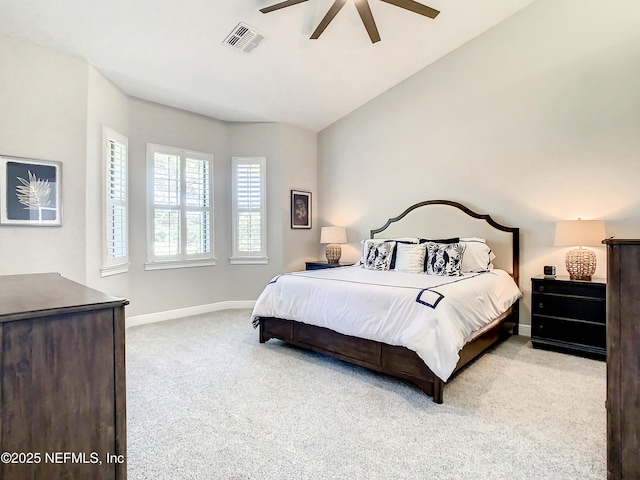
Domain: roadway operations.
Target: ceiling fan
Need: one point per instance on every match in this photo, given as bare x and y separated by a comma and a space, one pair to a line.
363, 9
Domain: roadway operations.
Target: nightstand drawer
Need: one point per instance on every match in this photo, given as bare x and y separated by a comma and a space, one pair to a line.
569, 331
581, 308
583, 289
569, 315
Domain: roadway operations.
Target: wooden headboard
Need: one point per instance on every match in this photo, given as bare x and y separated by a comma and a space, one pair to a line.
436, 219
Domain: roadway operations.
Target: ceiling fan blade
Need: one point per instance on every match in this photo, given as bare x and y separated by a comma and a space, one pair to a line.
367, 18
415, 7
333, 11
280, 5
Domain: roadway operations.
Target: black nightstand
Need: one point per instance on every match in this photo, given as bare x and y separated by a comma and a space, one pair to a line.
569, 315
321, 265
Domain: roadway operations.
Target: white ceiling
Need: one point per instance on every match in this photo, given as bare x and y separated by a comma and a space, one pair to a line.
172, 52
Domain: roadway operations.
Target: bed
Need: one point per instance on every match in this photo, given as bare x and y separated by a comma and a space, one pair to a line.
290, 308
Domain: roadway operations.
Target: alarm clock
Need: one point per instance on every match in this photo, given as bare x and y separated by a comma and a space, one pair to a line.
549, 271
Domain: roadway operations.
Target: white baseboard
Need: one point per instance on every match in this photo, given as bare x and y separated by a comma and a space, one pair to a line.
524, 330
186, 312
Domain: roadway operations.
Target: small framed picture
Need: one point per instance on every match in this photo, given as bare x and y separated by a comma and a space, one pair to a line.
300, 209
30, 192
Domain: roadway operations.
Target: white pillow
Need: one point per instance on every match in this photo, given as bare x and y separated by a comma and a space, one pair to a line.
410, 257
477, 255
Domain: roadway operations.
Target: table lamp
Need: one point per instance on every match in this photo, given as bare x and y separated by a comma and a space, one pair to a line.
580, 262
333, 236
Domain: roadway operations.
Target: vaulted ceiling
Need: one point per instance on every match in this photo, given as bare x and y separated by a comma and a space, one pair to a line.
174, 52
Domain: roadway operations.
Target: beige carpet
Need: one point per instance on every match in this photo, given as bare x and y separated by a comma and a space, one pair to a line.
207, 401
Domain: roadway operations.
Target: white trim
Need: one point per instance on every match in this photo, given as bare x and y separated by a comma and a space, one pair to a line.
248, 260
166, 265
187, 312
114, 269
524, 330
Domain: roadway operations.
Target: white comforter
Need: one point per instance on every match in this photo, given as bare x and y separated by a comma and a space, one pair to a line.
431, 315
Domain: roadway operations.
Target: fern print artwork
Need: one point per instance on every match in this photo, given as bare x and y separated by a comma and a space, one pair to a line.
34, 194
30, 192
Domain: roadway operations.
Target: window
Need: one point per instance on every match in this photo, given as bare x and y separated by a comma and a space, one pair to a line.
116, 215
249, 210
180, 222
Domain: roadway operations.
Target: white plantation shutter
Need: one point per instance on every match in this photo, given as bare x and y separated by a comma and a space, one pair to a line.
197, 206
117, 199
116, 235
167, 218
181, 208
249, 210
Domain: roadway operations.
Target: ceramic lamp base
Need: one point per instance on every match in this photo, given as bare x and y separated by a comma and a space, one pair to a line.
333, 252
580, 263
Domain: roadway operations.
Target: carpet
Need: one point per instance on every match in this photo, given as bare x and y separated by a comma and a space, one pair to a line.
205, 400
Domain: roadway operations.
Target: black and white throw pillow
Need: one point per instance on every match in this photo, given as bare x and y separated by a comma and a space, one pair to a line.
378, 255
444, 259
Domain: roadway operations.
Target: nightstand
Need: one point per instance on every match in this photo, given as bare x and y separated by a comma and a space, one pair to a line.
321, 265
569, 315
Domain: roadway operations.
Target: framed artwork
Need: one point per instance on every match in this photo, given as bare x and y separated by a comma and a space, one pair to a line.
30, 192
300, 209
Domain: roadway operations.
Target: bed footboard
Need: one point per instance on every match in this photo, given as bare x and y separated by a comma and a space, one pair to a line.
396, 361
399, 362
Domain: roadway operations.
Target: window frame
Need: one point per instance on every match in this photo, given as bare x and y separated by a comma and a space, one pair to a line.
183, 259
246, 258
113, 265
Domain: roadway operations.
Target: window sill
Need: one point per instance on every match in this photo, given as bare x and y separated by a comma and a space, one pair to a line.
169, 264
114, 269
249, 260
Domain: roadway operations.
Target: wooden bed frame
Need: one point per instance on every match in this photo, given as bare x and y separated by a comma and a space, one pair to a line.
400, 362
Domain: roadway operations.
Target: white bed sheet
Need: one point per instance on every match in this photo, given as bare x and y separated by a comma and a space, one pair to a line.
431, 315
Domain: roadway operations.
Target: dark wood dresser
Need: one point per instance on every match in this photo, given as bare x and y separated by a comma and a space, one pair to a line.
569, 315
63, 380
623, 359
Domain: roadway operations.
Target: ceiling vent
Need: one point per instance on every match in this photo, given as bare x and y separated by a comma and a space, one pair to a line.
244, 38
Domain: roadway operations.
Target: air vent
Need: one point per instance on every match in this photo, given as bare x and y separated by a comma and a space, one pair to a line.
244, 38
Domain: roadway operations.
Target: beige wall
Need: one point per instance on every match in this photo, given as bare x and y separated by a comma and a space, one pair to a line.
43, 115
291, 164
534, 121
54, 106
107, 106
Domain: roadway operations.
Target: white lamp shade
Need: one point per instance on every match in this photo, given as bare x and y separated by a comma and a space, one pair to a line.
333, 235
579, 233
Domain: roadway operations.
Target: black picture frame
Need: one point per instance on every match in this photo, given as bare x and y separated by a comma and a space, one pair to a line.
300, 209
30, 192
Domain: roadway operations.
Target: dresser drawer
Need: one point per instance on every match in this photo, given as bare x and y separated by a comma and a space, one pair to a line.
584, 289
583, 333
581, 308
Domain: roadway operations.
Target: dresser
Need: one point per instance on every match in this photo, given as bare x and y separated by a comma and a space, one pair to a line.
623, 359
569, 315
62, 368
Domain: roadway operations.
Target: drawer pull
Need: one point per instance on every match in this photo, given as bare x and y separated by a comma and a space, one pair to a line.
541, 305
541, 288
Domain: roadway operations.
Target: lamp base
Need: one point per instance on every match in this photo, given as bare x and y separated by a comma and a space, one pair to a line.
581, 264
333, 253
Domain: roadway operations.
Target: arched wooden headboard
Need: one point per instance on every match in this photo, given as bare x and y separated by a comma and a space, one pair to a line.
437, 219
